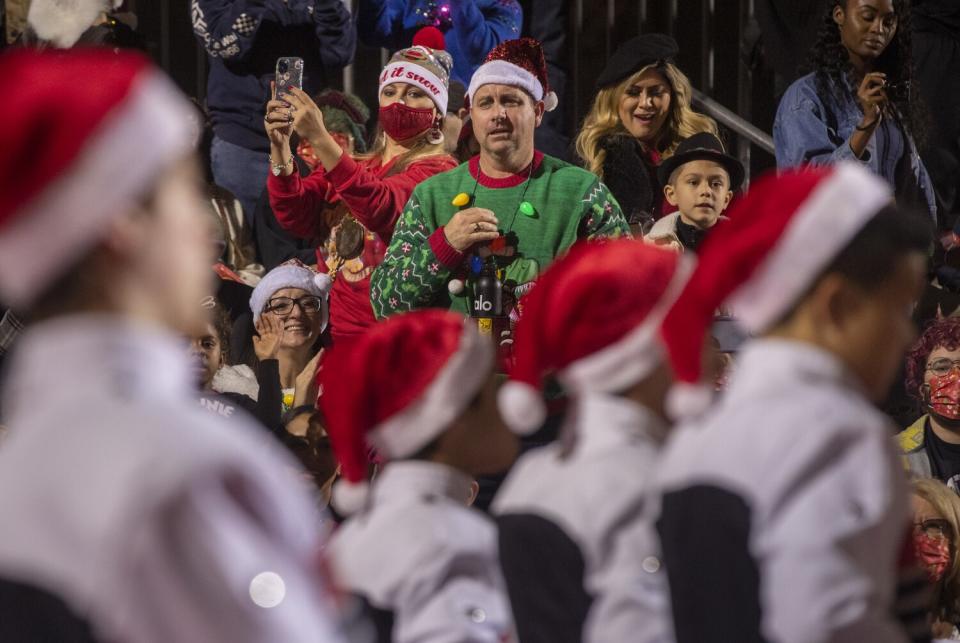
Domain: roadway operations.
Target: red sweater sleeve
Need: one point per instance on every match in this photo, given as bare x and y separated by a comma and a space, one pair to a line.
378, 201
298, 202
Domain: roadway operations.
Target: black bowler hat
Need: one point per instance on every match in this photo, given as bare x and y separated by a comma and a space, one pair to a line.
703, 146
635, 54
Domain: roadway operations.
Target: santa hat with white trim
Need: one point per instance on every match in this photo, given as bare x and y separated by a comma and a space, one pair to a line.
292, 274
396, 389
67, 164
518, 63
592, 320
759, 263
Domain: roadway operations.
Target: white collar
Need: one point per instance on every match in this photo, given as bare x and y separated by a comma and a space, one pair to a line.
419, 478
81, 355
598, 421
770, 363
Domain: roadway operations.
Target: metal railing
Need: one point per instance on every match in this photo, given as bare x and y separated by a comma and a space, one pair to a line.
747, 133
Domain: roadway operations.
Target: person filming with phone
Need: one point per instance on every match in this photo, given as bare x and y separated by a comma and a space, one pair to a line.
860, 103
243, 40
356, 201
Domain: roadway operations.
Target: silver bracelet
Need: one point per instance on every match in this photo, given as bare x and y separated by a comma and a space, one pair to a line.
277, 168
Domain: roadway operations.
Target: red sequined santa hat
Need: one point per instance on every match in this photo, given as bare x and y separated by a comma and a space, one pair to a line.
519, 63
759, 263
84, 135
396, 389
592, 320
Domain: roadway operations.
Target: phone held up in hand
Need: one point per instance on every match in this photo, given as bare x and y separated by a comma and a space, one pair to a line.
289, 74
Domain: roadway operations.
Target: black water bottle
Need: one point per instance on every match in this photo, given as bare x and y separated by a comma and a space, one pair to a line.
487, 296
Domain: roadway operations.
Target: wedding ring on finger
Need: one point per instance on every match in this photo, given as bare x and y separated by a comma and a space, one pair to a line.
477, 227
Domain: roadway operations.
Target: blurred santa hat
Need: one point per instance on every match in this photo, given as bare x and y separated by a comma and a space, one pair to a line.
84, 134
396, 389
592, 320
759, 263
62, 22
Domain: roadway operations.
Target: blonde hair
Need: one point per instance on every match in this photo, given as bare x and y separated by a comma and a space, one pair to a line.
604, 118
946, 606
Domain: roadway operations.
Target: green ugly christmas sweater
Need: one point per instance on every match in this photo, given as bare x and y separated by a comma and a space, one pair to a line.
569, 203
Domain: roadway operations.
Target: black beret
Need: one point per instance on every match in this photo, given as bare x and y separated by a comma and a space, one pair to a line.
635, 54
702, 146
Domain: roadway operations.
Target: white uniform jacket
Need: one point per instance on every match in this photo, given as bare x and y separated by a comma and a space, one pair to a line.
424, 562
784, 508
562, 514
131, 514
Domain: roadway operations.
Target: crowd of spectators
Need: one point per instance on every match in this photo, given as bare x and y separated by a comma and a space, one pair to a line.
634, 397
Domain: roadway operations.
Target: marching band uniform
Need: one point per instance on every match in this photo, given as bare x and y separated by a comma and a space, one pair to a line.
424, 562
129, 513
592, 321
783, 510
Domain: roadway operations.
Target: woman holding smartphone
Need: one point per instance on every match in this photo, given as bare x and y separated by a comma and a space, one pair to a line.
349, 205
858, 104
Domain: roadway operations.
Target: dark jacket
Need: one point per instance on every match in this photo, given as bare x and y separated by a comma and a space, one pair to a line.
244, 38
631, 178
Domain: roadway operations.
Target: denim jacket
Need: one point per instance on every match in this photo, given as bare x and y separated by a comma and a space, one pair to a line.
810, 128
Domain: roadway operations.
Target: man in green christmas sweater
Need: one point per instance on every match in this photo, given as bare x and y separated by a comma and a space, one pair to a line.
511, 202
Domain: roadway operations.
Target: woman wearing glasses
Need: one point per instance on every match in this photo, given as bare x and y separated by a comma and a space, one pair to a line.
936, 525
859, 102
932, 444
289, 306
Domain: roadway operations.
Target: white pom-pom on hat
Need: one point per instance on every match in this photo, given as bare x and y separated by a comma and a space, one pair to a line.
522, 407
323, 282
349, 497
687, 401
550, 101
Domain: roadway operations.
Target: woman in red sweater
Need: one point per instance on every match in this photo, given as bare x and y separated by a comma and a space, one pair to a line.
350, 205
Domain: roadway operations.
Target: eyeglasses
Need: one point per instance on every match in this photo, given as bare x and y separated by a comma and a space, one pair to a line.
934, 528
943, 366
283, 306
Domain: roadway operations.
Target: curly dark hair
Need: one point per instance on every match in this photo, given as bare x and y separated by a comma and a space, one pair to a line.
830, 61
941, 333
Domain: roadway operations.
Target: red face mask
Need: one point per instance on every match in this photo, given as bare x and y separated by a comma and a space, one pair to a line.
945, 394
933, 554
401, 123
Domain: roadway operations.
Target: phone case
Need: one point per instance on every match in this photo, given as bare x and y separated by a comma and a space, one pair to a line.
289, 74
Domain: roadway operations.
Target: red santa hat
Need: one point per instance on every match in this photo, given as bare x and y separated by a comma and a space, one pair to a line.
84, 134
779, 238
519, 63
396, 389
592, 320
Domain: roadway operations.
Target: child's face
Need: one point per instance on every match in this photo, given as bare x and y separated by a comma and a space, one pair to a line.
207, 353
700, 191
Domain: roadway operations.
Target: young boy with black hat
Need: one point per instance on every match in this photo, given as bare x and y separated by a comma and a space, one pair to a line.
699, 179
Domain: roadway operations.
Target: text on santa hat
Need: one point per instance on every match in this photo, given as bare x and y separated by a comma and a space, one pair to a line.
402, 75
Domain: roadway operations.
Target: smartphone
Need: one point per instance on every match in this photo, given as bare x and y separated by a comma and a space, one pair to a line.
289, 74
